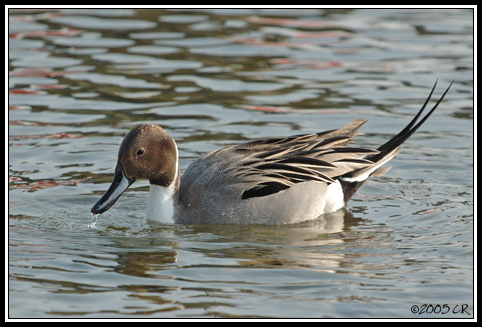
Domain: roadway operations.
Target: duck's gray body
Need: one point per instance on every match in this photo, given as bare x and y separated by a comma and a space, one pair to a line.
269, 181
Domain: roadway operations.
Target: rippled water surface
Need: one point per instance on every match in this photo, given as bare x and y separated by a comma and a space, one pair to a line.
80, 79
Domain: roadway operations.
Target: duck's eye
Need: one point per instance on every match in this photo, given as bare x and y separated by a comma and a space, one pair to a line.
140, 152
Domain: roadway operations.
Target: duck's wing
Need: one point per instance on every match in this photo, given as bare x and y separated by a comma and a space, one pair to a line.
265, 167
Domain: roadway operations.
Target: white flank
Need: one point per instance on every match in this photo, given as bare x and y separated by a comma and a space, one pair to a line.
334, 197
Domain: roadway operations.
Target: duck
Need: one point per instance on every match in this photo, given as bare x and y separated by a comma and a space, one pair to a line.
270, 181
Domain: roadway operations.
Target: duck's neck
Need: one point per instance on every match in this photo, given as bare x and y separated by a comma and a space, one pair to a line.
163, 200
160, 206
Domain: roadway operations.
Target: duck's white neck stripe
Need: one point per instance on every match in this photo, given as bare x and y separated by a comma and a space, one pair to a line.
160, 206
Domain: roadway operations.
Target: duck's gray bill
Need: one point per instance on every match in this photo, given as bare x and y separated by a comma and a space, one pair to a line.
120, 183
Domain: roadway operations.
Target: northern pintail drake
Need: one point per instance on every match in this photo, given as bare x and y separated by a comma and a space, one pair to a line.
273, 181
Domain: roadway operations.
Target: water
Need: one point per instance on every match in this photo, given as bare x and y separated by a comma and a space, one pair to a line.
93, 224
79, 80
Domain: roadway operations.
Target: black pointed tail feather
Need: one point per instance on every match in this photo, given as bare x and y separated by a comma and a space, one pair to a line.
401, 137
349, 187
